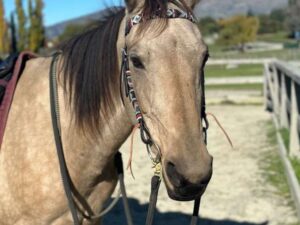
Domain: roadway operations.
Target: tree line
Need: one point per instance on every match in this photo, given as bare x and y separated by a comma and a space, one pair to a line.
24, 30
241, 29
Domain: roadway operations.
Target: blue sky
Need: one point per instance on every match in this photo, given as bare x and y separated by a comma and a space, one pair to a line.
60, 10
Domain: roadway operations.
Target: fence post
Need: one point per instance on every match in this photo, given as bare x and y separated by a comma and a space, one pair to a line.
266, 87
294, 133
284, 123
276, 91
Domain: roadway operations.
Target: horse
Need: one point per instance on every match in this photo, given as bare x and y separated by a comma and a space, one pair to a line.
166, 58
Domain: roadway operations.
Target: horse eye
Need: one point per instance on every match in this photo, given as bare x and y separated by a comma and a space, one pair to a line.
137, 63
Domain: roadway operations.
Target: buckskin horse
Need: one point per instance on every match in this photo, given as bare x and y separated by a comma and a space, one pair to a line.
166, 56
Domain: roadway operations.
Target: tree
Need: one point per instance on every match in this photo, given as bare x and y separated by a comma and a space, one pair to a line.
273, 23
238, 30
13, 42
293, 19
208, 26
278, 15
39, 5
3, 30
268, 25
22, 33
250, 13
36, 30
31, 27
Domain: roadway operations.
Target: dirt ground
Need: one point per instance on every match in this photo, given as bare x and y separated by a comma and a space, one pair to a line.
238, 193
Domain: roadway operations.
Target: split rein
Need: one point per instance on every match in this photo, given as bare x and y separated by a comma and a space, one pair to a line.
69, 188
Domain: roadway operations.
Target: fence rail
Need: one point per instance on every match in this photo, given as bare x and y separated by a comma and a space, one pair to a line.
282, 97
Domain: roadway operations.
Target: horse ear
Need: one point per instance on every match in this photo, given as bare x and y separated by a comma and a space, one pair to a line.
131, 5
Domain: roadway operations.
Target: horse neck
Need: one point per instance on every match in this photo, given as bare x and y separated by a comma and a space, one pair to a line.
97, 152
88, 158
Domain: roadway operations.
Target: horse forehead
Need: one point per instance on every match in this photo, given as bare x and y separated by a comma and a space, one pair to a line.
180, 36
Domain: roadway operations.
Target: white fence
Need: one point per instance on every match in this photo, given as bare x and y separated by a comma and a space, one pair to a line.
282, 97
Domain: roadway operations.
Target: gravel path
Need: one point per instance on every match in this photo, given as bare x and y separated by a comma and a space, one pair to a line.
238, 193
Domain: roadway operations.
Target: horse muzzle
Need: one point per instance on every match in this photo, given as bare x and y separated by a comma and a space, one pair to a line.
181, 188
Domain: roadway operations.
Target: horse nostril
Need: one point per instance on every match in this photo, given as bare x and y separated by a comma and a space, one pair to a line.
175, 178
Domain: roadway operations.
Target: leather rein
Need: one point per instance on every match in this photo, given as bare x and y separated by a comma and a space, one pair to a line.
71, 193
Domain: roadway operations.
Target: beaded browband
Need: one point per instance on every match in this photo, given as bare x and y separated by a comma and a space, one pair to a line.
170, 14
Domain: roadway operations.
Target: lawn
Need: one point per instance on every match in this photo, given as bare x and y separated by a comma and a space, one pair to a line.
283, 54
272, 165
256, 87
238, 71
279, 37
285, 134
296, 165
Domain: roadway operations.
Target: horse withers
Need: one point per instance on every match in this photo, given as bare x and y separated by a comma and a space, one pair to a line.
166, 60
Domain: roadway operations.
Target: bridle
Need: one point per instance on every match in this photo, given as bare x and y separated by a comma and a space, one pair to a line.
128, 88
128, 85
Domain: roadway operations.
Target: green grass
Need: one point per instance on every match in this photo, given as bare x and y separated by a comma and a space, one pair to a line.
217, 52
271, 164
283, 54
256, 87
279, 37
241, 70
296, 165
285, 134
274, 166
234, 103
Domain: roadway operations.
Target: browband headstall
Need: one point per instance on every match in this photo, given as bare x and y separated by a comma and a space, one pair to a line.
170, 14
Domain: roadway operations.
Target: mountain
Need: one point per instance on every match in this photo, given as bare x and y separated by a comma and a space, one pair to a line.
225, 8
211, 8
57, 29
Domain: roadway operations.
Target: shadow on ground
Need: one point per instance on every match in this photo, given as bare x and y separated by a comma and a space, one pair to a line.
139, 211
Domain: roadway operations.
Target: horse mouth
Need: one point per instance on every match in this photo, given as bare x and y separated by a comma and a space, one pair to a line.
186, 194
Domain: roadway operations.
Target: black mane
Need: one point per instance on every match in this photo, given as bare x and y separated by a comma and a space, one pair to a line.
90, 70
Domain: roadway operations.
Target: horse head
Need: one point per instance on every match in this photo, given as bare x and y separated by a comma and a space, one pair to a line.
166, 58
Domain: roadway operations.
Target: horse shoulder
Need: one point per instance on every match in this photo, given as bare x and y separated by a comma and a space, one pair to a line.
28, 166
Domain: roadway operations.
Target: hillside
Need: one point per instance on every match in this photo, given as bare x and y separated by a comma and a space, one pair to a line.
225, 8
57, 29
212, 8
